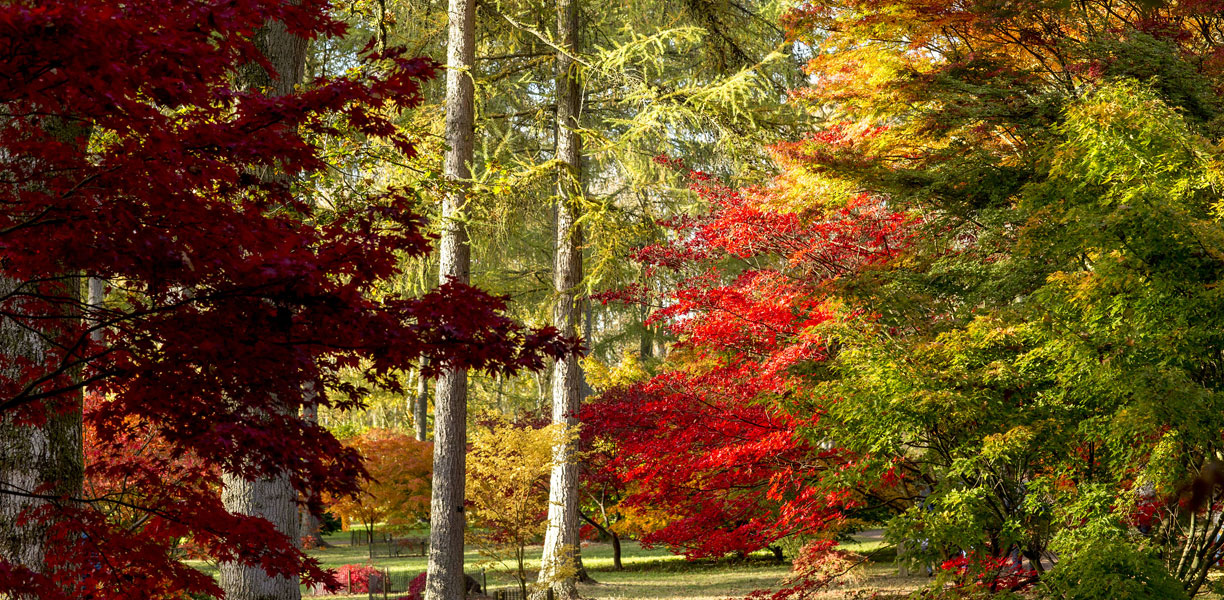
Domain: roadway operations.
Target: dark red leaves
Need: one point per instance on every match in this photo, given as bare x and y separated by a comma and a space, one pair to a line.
129, 155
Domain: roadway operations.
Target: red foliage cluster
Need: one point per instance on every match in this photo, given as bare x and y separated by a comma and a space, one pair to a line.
714, 443
130, 155
416, 588
355, 578
993, 573
818, 566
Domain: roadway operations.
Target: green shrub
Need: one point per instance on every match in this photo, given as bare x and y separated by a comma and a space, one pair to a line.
1111, 571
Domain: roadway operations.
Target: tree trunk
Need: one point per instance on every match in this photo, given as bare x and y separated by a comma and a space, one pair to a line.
444, 579
44, 460
559, 565
95, 296
616, 544
616, 552
310, 528
274, 497
420, 406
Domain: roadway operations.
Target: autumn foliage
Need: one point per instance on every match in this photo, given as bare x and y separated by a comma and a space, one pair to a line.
963, 307
397, 491
130, 159
714, 441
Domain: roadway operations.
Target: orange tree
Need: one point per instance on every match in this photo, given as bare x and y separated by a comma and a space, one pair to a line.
397, 491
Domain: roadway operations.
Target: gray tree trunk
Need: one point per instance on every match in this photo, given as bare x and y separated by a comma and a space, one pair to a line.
95, 296
420, 406
444, 578
272, 498
559, 564
310, 529
275, 500
45, 460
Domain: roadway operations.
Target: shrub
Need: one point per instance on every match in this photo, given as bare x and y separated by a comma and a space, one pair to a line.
329, 523
416, 589
1112, 571
356, 578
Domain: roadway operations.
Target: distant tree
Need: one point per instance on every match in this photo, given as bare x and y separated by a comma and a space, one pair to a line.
508, 471
397, 491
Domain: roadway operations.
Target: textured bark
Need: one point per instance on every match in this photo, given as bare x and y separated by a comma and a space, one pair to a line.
559, 565
275, 500
420, 407
96, 295
272, 498
44, 460
310, 529
444, 579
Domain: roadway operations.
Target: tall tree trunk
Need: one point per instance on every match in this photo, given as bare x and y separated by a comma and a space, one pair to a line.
559, 565
273, 497
45, 460
48, 459
310, 529
420, 406
444, 579
95, 296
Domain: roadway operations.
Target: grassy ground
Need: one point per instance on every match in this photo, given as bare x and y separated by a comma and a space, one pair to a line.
649, 574
657, 575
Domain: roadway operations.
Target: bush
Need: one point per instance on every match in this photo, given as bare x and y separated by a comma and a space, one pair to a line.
416, 589
1112, 571
355, 578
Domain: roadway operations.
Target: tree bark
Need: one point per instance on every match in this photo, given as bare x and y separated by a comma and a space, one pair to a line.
420, 406
44, 460
95, 296
309, 527
444, 576
559, 565
274, 497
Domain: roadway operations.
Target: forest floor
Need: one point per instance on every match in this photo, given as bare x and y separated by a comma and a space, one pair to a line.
648, 574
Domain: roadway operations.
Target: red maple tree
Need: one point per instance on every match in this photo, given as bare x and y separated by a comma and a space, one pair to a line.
129, 154
715, 441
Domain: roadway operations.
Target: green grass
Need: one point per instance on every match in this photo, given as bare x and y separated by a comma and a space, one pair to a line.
648, 574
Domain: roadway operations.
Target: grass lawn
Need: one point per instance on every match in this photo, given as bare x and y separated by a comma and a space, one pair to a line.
648, 574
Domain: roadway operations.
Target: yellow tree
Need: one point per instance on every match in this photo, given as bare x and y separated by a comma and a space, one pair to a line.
507, 482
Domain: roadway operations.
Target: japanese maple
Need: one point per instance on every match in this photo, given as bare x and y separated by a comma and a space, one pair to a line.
397, 492
130, 157
716, 441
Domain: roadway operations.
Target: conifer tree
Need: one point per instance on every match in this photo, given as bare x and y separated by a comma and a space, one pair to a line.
559, 565
445, 572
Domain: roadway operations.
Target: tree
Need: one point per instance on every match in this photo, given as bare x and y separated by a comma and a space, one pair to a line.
445, 573
716, 440
509, 465
226, 290
420, 407
269, 497
561, 540
965, 300
397, 492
